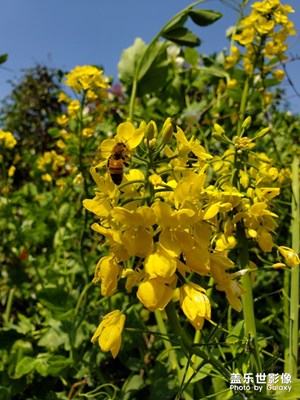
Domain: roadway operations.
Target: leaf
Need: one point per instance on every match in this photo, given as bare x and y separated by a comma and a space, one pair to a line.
24, 367
20, 349
154, 80
191, 56
64, 212
204, 17
57, 364
182, 36
3, 58
56, 299
236, 334
152, 55
175, 22
130, 60
217, 71
132, 385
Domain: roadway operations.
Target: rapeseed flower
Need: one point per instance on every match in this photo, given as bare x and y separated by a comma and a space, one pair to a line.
7, 138
85, 77
109, 332
290, 257
195, 304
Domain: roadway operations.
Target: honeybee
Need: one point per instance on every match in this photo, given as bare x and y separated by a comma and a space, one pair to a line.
119, 157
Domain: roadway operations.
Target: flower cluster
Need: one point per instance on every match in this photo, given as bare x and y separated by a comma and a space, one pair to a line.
87, 78
51, 165
7, 142
263, 32
89, 83
7, 139
165, 226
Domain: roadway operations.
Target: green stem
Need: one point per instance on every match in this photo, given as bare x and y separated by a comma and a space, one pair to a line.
188, 344
286, 318
247, 298
162, 329
136, 76
243, 107
294, 305
8, 305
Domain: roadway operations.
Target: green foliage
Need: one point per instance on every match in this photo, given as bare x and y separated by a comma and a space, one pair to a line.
48, 252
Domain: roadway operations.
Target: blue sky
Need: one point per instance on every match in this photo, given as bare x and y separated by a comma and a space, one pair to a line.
66, 33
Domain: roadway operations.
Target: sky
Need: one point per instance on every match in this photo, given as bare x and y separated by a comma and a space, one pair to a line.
65, 33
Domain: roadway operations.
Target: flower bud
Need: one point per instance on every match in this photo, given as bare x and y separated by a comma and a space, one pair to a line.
218, 129
247, 122
262, 133
151, 131
167, 131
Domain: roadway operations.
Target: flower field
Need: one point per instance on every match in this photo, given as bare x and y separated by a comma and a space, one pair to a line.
150, 228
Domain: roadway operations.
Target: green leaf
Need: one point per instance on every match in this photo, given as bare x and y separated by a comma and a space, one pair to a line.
20, 349
191, 56
152, 56
130, 60
177, 21
155, 79
54, 338
182, 36
24, 367
204, 17
64, 212
57, 364
236, 334
56, 299
41, 364
54, 132
217, 71
132, 385
3, 58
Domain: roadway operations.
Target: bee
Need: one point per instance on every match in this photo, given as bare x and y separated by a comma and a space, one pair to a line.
116, 161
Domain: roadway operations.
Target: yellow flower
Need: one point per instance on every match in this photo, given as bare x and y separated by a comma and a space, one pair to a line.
109, 332
107, 272
118, 243
62, 120
86, 77
233, 291
155, 180
127, 134
8, 139
231, 83
264, 25
195, 304
87, 132
11, 171
279, 74
47, 177
156, 293
290, 257
73, 108
61, 144
63, 97
160, 264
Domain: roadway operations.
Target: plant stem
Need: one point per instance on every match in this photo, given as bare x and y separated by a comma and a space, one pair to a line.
136, 76
294, 304
162, 329
188, 344
247, 298
8, 305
